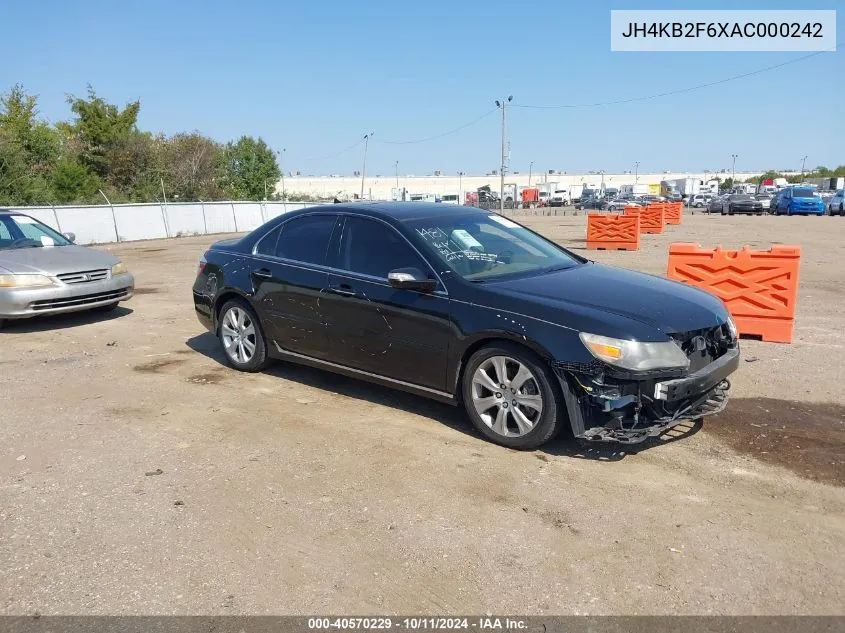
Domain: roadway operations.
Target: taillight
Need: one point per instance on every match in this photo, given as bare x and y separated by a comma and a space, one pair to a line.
201, 266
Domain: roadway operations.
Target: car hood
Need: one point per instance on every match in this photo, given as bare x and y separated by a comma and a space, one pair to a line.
610, 301
55, 260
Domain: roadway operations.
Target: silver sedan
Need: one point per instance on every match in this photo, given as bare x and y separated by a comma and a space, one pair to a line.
44, 272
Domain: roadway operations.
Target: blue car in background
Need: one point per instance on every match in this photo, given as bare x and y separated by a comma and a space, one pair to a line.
798, 200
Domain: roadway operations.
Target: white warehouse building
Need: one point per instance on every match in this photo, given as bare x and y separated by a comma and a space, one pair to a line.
382, 187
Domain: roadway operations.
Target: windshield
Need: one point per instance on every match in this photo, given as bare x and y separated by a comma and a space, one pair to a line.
22, 231
482, 247
803, 193
741, 196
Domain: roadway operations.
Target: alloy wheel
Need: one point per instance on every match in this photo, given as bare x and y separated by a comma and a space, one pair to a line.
238, 333
507, 397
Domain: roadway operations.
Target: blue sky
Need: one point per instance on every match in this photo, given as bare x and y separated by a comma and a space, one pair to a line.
314, 77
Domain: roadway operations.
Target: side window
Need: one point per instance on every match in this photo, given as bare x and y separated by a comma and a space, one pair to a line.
372, 248
267, 244
306, 239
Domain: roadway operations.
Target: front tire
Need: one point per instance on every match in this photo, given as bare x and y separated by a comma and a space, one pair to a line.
511, 396
241, 337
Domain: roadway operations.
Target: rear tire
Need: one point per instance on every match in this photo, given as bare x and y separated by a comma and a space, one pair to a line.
241, 337
511, 396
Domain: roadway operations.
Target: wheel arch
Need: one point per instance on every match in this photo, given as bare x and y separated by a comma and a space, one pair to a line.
489, 338
227, 294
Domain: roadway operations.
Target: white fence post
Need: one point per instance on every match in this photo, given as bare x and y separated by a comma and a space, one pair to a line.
235, 217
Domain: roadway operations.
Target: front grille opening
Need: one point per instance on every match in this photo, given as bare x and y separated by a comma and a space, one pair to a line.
68, 302
84, 276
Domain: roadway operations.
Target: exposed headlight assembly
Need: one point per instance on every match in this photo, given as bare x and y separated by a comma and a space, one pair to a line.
119, 269
24, 281
733, 329
635, 355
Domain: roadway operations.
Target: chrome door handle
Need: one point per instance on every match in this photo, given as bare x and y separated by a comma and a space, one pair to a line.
264, 273
344, 290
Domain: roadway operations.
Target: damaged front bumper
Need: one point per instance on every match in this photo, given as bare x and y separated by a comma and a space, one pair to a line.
608, 406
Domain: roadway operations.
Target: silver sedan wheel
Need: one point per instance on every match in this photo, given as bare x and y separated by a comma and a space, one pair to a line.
506, 396
238, 333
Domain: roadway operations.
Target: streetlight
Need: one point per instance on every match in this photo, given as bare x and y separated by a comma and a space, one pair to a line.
636, 172
281, 155
733, 170
530, 169
502, 104
803, 162
397, 174
460, 187
364, 168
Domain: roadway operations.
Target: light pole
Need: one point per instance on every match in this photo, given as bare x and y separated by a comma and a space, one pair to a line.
733, 170
530, 170
502, 104
364, 168
460, 187
281, 169
636, 172
396, 166
803, 163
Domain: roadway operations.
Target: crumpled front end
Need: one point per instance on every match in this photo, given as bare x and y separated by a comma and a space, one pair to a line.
606, 404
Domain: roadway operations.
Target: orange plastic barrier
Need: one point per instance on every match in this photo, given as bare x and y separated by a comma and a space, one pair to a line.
673, 212
613, 232
760, 288
652, 218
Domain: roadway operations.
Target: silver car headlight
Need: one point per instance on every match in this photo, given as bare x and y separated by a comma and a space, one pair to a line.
635, 355
119, 269
24, 281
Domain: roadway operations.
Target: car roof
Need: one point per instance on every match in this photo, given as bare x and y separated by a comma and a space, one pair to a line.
400, 211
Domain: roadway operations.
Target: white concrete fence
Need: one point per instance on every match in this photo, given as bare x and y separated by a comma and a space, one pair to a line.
98, 224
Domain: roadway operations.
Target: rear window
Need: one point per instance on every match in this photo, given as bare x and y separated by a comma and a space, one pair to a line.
803, 193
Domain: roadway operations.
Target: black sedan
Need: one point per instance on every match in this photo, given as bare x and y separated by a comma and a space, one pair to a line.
741, 203
468, 307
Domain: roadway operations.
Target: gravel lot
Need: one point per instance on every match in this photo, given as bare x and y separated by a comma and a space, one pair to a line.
139, 475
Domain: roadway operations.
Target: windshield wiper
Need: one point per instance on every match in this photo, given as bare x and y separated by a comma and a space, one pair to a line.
554, 269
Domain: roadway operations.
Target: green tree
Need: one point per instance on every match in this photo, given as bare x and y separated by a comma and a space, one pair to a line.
192, 167
99, 128
250, 169
73, 182
29, 149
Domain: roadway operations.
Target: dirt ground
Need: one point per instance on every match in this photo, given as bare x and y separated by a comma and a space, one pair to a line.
140, 475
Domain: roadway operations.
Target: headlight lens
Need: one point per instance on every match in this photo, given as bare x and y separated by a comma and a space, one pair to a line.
119, 269
635, 355
24, 281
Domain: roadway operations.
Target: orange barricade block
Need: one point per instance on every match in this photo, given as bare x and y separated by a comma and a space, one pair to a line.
613, 232
760, 288
652, 218
673, 212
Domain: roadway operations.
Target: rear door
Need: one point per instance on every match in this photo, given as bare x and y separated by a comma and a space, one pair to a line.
373, 327
289, 275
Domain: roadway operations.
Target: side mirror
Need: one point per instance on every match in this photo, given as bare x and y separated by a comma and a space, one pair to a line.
411, 279
70, 236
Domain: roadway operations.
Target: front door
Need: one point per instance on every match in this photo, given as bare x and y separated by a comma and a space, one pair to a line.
373, 327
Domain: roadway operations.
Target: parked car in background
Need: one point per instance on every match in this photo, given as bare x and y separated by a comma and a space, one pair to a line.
765, 199
473, 309
699, 200
44, 272
797, 200
590, 202
836, 205
717, 204
741, 203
